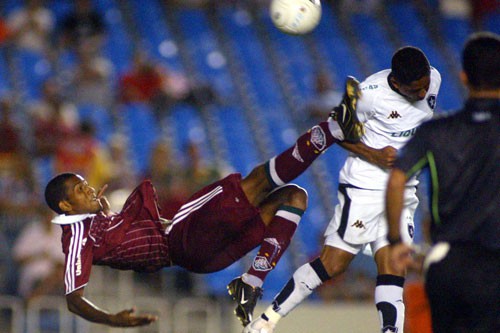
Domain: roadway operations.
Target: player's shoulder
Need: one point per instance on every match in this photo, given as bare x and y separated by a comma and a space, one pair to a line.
435, 75
375, 84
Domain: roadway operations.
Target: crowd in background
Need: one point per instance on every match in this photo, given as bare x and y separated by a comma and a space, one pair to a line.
43, 134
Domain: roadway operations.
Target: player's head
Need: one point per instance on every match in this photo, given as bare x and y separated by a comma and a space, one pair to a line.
70, 194
410, 73
481, 61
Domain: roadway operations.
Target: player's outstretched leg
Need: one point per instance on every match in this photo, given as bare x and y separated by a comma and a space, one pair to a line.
345, 113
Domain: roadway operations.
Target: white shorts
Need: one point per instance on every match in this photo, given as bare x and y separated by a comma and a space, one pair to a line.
359, 219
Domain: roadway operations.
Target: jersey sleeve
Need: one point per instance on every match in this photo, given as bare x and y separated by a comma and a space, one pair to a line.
364, 109
78, 251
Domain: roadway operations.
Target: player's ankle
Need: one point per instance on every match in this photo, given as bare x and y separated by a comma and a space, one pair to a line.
271, 316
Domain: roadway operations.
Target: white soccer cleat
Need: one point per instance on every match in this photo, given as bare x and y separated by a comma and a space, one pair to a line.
259, 325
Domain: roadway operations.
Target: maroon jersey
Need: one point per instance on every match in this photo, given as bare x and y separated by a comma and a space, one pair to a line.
132, 239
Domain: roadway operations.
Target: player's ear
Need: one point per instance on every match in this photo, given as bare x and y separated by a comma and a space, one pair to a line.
394, 82
65, 206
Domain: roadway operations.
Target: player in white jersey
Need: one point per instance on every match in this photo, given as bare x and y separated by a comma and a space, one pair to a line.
393, 104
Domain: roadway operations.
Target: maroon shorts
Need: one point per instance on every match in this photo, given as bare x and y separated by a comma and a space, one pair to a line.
215, 228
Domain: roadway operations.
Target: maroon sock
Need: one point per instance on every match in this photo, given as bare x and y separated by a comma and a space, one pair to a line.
277, 237
288, 165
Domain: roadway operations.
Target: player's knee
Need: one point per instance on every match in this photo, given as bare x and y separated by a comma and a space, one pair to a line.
334, 266
296, 196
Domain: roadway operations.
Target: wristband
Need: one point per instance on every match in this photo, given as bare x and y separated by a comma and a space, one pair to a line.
394, 241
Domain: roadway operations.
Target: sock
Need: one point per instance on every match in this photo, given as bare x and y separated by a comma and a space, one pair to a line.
305, 279
277, 237
389, 302
288, 165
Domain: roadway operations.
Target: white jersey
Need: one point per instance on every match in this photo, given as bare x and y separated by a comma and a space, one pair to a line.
389, 120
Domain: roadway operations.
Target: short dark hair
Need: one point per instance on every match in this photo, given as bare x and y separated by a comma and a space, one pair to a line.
481, 60
56, 190
409, 64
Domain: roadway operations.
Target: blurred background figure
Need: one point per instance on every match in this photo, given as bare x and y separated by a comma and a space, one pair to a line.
83, 25
152, 83
38, 253
326, 96
53, 118
31, 27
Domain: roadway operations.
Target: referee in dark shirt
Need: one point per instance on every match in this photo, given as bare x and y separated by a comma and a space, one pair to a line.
462, 153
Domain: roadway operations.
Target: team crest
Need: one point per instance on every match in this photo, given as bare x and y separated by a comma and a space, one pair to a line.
431, 101
318, 138
411, 230
261, 264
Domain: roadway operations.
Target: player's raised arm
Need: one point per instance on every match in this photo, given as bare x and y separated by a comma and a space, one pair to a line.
82, 307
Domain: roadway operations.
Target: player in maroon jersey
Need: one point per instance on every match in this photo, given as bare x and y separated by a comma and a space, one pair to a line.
216, 227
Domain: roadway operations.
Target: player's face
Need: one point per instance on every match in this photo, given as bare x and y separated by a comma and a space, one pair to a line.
416, 90
81, 197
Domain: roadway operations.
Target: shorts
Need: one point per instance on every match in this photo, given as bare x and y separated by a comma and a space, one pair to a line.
215, 228
359, 219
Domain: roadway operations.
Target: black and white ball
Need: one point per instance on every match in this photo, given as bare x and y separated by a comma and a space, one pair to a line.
295, 17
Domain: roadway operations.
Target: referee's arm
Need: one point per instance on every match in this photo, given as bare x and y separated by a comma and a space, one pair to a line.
400, 253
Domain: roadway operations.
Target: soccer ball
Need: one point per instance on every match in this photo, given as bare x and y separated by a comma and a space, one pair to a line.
295, 17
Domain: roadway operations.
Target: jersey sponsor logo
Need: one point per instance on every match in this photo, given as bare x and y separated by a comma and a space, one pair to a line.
358, 224
431, 101
404, 134
394, 115
318, 138
370, 87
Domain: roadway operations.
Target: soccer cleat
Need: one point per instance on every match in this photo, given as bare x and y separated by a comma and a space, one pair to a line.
246, 297
345, 113
259, 325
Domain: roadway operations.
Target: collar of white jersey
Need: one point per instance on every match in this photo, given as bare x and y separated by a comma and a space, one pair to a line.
70, 219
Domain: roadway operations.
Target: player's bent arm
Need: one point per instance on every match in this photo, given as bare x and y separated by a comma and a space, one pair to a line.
383, 158
82, 307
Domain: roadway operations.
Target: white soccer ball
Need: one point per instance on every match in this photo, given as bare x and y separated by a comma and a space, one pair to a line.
295, 17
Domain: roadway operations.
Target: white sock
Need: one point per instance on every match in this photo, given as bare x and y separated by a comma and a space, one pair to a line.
389, 302
305, 279
335, 129
252, 280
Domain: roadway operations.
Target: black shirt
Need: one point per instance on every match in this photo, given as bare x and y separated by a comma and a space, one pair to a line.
462, 153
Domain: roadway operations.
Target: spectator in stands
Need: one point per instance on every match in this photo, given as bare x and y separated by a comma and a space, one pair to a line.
167, 173
38, 254
53, 119
91, 79
324, 99
198, 172
10, 143
84, 25
8, 276
81, 152
31, 27
153, 83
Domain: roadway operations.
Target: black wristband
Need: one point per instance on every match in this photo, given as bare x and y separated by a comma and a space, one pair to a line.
394, 241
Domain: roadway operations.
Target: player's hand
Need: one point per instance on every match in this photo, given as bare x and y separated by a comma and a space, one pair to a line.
400, 257
385, 157
128, 318
103, 200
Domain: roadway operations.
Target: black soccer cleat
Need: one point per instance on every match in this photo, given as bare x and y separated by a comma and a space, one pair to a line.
345, 113
246, 297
